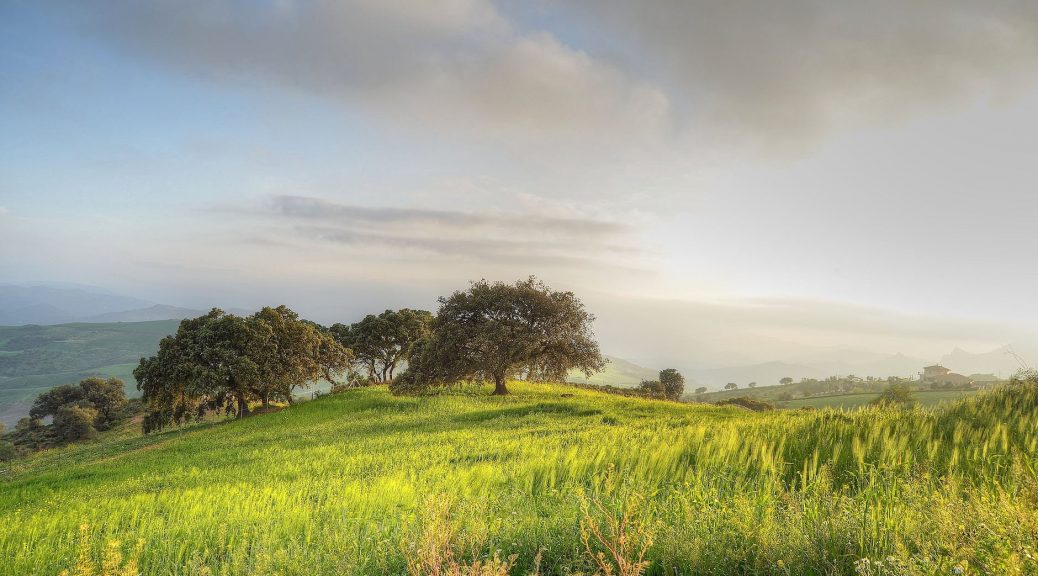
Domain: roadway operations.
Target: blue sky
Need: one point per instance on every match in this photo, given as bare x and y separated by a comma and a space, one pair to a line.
783, 176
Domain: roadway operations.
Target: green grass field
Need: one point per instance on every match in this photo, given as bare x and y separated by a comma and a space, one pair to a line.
347, 484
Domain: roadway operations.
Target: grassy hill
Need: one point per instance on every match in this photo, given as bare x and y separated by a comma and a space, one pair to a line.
618, 372
925, 398
364, 483
35, 358
822, 394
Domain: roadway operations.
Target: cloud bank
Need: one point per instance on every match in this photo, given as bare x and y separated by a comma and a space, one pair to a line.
775, 75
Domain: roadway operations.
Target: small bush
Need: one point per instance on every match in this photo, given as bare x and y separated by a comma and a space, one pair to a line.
748, 403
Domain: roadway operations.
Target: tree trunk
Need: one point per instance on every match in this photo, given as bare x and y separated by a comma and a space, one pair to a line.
266, 399
499, 386
243, 406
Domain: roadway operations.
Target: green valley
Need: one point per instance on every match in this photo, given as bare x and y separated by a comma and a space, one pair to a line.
36, 358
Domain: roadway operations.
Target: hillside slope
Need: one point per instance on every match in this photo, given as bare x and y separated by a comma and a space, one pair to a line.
617, 372
35, 358
356, 483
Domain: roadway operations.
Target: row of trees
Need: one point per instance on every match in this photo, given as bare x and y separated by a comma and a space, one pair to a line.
381, 343
491, 332
223, 362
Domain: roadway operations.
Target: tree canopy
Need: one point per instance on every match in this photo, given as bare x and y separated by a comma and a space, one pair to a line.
897, 394
671, 385
379, 343
496, 331
105, 399
222, 361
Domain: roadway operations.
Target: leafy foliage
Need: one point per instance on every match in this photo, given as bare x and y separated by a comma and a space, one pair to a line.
494, 332
897, 394
79, 411
671, 385
220, 361
380, 343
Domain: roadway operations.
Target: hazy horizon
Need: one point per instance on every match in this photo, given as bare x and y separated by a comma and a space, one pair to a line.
720, 183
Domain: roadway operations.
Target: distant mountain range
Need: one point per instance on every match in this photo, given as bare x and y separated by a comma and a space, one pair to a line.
50, 304
156, 312
1002, 362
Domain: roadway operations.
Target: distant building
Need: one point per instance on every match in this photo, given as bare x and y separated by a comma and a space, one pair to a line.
932, 373
938, 374
984, 380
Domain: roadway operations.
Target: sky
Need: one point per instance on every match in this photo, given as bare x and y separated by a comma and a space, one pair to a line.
720, 182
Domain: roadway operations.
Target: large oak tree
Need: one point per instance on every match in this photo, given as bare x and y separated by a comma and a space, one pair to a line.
496, 331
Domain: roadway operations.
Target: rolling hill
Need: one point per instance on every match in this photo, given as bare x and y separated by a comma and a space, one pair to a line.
35, 358
618, 372
369, 483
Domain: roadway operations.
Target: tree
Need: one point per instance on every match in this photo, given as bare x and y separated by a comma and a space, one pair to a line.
48, 403
701, 390
897, 394
496, 331
381, 342
731, 386
7, 451
222, 361
673, 383
74, 422
106, 398
785, 381
295, 353
651, 388
752, 384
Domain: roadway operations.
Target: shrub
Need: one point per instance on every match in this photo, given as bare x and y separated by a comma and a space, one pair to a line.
897, 394
748, 403
73, 423
7, 451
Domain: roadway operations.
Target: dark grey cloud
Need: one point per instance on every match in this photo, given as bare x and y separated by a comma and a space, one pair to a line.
519, 239
308, 208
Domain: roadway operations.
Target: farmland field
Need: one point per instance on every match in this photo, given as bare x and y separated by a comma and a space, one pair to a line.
927, 398
34, 359
348, 484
